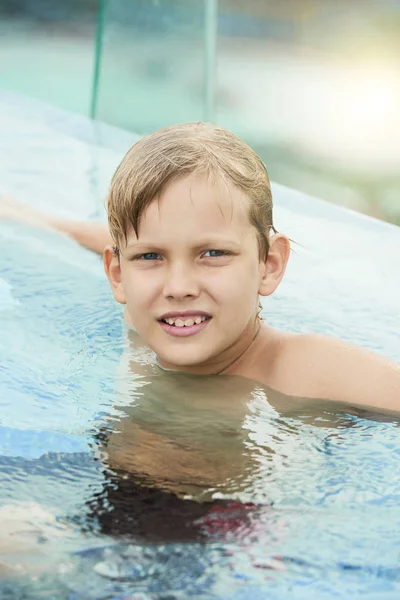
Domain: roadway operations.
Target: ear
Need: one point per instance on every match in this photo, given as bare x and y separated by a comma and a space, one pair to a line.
112, 268
273, 269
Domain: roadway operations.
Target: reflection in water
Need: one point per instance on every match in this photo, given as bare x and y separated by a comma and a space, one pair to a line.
192, 457
200, 482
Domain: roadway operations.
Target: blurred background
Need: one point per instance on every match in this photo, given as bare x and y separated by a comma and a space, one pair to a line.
312, 85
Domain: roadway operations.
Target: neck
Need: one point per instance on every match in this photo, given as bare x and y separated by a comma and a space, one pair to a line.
227, 359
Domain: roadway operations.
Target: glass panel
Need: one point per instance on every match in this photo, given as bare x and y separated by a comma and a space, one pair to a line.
314, 86
47, 50
153, 64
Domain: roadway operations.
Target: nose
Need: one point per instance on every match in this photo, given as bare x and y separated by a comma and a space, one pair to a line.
181, 282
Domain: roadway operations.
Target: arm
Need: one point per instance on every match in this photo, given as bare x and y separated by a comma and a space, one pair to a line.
331, 369
362, 378
90, 234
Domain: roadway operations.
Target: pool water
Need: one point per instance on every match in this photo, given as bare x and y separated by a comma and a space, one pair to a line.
126, 482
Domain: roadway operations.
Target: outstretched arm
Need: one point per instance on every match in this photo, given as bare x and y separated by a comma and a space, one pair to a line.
90, 234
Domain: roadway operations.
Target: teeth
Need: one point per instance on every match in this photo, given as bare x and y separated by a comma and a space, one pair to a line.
187, 323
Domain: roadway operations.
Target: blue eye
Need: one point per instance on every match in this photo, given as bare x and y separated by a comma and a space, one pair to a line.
149, 256
214, 253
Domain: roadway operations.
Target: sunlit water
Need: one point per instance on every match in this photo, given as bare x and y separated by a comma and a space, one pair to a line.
145, 484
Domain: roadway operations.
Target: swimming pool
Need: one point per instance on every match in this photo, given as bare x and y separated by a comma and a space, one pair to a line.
314, 511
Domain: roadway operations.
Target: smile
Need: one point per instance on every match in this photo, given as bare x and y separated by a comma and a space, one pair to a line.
184, 322
183, 325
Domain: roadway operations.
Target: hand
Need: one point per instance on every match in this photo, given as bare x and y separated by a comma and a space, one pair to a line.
29, 537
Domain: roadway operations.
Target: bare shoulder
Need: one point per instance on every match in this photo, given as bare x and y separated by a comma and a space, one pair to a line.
318, 366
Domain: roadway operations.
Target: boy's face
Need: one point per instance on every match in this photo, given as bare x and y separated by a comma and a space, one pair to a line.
191, 279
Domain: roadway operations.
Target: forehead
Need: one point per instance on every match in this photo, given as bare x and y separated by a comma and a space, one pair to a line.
196, 205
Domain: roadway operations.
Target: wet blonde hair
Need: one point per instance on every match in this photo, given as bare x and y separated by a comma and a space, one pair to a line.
176, 152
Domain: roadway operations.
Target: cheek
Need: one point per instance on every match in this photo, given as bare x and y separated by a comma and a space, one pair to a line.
238, 287
139, 291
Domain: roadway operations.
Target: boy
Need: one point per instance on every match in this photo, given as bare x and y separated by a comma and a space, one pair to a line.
190, 248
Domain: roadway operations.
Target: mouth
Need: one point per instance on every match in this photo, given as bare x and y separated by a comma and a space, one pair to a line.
184, 324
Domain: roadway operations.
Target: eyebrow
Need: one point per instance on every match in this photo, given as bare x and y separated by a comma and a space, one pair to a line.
206, 243
216, 243
139, 245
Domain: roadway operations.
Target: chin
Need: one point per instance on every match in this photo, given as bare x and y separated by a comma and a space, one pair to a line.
183, 359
